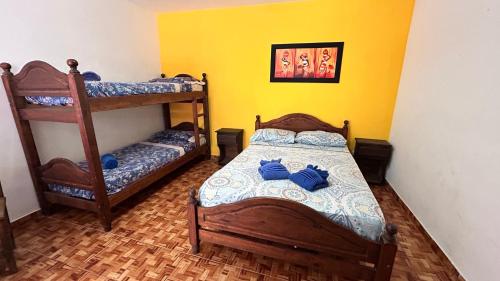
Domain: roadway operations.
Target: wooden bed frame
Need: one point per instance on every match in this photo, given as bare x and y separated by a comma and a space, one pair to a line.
289, 230
38, 78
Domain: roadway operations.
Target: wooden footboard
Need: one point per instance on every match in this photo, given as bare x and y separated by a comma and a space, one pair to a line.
289, 230
65, 172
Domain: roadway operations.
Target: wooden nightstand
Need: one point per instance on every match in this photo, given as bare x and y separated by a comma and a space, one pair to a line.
230, 142
372, 157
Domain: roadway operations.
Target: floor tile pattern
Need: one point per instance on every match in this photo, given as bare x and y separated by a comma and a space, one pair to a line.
149, 241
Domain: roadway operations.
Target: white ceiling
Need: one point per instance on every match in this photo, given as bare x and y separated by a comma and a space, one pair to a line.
184, 5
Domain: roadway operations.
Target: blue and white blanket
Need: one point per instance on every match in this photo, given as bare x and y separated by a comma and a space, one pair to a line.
348, 200
134, 162
109, 89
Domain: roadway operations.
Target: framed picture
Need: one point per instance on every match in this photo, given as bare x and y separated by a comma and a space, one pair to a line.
306, 62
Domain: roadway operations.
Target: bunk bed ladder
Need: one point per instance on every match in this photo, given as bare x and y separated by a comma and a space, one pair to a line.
206, 118
86, 126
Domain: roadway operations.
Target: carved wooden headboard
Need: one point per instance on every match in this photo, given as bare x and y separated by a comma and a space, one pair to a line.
299, 122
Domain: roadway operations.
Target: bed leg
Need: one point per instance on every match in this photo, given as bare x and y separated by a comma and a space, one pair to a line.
193, 222
105, 218
207, 154
387, 254
47, 209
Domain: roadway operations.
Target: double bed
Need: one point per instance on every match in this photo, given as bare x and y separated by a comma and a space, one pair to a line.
340, 228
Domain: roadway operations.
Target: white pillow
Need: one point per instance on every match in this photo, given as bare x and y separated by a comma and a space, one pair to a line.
202, 139
273, 135
320, 138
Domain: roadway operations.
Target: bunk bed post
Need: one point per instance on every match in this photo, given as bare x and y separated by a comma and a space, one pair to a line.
83, 114
26, 136
206, 117
166, 116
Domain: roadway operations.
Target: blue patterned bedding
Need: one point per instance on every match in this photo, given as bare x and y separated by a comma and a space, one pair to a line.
110, 89
348, 200
134, 162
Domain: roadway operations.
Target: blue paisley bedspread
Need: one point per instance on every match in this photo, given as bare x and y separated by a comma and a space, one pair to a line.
348, 201
134, 162
109, 89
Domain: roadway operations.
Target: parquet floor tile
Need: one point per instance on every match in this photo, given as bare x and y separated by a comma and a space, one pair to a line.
149, 241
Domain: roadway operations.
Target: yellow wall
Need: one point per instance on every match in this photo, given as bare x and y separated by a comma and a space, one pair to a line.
233, 46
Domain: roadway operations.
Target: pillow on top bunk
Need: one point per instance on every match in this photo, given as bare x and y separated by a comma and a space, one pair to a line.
174, 80
273, 135
91, 76
320, 138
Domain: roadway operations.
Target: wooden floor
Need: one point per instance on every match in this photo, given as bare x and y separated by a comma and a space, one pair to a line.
149, 241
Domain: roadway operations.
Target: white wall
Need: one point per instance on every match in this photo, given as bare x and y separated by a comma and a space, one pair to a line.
114, 38
446, 131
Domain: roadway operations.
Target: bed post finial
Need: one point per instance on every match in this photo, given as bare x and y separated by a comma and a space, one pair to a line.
163, 75
73, 64
257, 122
204, 75
6, 67
192, 197
345, 129
390, 232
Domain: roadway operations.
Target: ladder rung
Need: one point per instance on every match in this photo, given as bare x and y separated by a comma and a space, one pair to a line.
200, 114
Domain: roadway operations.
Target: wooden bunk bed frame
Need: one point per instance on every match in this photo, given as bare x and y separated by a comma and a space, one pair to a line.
289, 230
38, 78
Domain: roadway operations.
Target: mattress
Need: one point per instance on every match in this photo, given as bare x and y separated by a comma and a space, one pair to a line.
135, 161
110, 89
348, 201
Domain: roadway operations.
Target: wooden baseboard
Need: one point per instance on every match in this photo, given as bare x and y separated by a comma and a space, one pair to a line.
434, 245
26, 218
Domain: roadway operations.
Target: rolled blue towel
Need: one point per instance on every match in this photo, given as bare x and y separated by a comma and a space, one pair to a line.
109, 161
273, 170
309, 179
91, 76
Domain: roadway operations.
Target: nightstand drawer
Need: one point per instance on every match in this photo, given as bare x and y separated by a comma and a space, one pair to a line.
373, 151
227, 138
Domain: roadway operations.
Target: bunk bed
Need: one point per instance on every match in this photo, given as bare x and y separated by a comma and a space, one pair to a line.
39, 92
339, 228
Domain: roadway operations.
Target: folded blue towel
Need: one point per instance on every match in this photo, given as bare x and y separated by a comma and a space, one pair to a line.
273, 170
323, 174
109, 161
311, 178
264, 162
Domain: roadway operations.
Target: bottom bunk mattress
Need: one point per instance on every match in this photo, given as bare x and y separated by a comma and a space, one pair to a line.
347, 201
135, 161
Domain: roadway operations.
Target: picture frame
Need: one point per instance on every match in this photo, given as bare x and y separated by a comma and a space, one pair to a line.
306, 62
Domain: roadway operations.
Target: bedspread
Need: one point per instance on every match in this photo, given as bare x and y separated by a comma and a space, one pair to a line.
134, 162
109, 89
348, 201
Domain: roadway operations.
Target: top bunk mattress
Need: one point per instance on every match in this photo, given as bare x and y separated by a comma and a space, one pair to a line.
347, 201
97, 89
